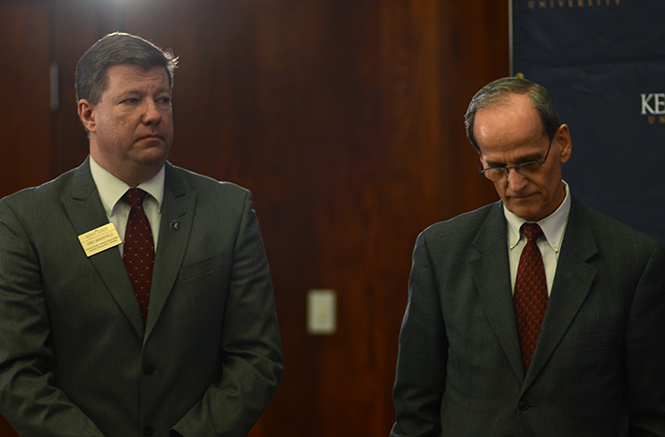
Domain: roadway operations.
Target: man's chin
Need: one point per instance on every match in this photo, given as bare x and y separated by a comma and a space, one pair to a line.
154, 155
524, 210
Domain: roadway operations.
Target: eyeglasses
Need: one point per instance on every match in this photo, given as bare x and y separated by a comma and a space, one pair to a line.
525, 168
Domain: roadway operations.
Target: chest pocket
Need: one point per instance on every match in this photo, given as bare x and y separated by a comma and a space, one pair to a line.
202, 267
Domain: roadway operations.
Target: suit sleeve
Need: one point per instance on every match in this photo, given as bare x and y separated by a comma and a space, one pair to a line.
250, 344
28, 399
423, 345
645, 350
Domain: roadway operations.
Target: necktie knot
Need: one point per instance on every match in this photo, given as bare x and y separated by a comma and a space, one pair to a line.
135, 196
532, 231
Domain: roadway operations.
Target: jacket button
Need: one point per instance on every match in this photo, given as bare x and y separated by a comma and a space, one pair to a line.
148, 369
523, 405
148, 430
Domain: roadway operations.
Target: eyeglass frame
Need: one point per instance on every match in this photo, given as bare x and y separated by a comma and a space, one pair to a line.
517, 167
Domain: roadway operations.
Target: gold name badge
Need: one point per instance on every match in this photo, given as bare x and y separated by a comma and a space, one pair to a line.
100, 239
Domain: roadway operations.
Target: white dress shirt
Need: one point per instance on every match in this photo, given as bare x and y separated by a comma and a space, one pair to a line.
554, 228
111, 189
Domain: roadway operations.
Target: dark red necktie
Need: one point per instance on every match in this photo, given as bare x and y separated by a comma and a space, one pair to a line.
139, 251
530, 293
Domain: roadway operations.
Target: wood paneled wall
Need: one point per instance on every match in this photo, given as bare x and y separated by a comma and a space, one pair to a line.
345, 119
25, 138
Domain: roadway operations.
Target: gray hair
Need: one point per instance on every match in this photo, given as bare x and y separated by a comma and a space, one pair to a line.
497, 91
117, 49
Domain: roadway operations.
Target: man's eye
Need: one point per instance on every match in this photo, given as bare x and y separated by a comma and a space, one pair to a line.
528, 164
130, 101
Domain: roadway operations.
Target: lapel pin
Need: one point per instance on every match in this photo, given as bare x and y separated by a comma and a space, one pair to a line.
175, 225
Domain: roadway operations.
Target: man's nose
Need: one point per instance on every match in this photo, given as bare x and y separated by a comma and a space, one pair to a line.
516, 182
152, 113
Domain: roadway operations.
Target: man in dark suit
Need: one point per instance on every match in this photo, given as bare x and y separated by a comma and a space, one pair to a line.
190, 346
567, 339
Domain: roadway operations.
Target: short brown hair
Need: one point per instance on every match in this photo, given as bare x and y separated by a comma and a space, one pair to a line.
496, 91
116, 49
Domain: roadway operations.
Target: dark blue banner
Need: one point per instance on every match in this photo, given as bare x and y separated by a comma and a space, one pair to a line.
603, 61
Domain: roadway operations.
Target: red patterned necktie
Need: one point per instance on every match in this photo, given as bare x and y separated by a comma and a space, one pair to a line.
139, 252
530, 293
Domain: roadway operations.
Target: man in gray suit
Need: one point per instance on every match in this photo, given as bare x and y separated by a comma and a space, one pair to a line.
592, 363
189, 347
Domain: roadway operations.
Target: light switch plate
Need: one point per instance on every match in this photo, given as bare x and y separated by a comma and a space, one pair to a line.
321, 312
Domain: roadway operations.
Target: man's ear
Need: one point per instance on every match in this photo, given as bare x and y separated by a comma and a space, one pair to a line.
481, 162
86, 112
565, 143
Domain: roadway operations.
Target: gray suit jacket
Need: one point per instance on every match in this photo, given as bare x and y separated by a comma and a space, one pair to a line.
599, 366
75, 359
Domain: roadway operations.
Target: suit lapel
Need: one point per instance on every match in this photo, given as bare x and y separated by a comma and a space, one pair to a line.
175, 229
86, 213
572, 283
491, 274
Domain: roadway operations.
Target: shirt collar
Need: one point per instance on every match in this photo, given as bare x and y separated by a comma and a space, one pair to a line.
111, 189
553, 225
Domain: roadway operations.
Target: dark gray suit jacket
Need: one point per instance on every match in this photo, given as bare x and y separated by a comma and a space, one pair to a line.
599, 366
75, 359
